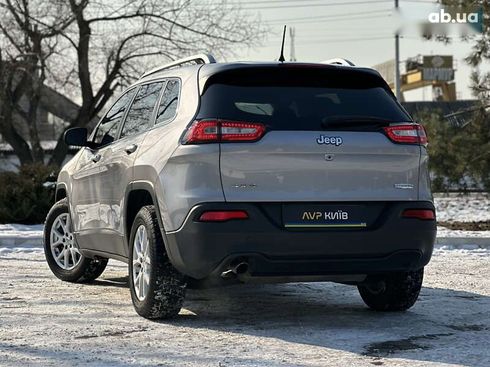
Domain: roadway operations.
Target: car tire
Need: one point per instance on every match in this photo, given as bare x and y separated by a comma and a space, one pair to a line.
61, 250
157, 288
392, 292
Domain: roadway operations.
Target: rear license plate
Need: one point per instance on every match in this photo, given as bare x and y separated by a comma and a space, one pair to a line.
324, 216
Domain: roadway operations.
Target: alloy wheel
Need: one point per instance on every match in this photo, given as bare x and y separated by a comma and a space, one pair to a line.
62, 243
141, 263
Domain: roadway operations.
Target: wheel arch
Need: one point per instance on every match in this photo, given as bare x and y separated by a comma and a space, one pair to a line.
139, 194
61, 192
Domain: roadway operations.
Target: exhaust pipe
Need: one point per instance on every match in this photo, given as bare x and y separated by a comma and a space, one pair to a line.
234, 271
241, 268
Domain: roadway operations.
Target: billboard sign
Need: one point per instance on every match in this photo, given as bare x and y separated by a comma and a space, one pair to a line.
436, 67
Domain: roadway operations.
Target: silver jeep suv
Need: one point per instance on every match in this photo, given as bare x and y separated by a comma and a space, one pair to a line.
205, 174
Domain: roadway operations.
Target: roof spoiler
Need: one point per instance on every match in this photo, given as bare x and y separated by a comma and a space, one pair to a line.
195, 59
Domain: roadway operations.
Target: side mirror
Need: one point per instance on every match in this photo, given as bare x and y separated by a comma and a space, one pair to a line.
76, 136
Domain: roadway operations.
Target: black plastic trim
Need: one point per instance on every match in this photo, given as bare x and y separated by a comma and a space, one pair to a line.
202, 250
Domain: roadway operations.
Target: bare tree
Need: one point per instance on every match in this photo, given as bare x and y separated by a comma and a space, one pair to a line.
25, 46
106, 45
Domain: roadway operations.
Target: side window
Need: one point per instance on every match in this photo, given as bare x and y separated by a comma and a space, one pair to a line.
108, 127
169, 102
139, 114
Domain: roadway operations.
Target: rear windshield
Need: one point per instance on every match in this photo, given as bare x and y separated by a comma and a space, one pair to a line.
292, 102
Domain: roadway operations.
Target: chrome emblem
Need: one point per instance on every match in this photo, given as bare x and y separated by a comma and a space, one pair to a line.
403, 186
329, 140
244, 186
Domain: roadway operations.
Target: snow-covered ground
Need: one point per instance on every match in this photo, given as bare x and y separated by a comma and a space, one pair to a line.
44, 321
20, 236
450, 208
458, 208
445, 232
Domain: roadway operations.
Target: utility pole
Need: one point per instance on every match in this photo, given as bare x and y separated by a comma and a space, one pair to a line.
292, 53
397, 61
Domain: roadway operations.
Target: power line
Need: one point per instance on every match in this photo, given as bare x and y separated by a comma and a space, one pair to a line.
326, 16
271, 2
244, 6
322, 35
315, 28
335, 40
300, 3
335, 19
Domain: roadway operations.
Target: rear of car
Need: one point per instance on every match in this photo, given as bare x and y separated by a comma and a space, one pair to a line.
274, 172
323, 177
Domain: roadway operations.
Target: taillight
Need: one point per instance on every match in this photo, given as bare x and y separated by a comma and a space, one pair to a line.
223, 216
202, 132
215, 131
407, 134
424, 214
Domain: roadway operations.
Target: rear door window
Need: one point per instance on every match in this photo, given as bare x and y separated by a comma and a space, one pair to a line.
141, 111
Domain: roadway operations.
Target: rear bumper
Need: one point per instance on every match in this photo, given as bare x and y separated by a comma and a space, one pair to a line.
392, 243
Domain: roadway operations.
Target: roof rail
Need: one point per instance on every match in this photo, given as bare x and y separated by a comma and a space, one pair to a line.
197, 59
339, 61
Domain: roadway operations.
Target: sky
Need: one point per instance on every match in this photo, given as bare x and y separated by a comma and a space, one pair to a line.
359, 30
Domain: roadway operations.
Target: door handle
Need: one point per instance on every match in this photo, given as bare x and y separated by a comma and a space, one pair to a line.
96, 158
131, 148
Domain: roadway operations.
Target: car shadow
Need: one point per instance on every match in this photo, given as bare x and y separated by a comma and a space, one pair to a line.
120, 282
333, 316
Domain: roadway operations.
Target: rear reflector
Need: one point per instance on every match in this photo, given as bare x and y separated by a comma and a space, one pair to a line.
424, 214
223, 216
215, 131
407, 134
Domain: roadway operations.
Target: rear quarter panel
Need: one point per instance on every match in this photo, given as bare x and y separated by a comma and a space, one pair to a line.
425, 192
181, 176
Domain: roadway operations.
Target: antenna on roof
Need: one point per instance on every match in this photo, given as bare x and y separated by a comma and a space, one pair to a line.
281, 57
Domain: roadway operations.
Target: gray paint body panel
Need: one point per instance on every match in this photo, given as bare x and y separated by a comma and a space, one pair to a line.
290, 166
425, 192
98, 195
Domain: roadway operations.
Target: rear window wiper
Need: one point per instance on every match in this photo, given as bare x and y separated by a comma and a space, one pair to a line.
339, 121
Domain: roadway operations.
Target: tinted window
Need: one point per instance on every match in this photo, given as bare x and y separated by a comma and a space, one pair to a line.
294, 100
108, 127
169, 102
139, 114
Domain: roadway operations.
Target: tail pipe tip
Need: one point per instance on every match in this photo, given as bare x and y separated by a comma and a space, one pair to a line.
235, 270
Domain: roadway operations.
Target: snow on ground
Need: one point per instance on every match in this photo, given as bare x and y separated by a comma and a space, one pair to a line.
445, 232
467, 208
20, 236
21, 230
5, 250
450, 208
44, 321
462, 239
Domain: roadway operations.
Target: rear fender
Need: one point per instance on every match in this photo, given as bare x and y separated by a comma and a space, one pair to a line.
148, 187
